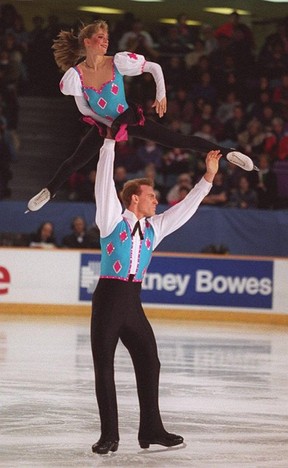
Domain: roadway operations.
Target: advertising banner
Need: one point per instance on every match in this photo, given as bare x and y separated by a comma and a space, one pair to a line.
69, 277
195, 281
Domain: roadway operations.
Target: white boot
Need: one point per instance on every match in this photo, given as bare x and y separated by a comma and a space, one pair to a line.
241, 160
39, 200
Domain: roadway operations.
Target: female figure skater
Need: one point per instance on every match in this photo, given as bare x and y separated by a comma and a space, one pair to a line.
96, 82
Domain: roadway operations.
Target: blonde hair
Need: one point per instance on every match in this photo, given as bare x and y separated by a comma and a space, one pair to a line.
69, 48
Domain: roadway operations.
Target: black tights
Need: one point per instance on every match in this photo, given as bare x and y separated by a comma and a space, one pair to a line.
117, 313
91, 143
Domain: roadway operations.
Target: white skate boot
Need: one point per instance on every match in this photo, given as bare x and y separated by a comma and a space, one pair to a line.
39, 200
241, 160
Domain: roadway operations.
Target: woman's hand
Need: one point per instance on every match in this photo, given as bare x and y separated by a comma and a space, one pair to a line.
160, 106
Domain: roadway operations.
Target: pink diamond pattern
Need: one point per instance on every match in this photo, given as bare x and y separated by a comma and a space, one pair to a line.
120, 108
117, 266
102, 103
148, 243
123, 236
110, 248
114, 88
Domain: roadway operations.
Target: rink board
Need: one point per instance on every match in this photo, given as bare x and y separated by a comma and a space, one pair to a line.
194, 286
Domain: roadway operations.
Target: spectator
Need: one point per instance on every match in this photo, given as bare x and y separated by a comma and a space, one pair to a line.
81, 185
125, 156
225, 109
251, 140
175, 73
78, 239
235, 125
265, 184
160, 190
149, 152
172, 42
209, 39
244, 196
8, 14
231, 29
192, 57
218, 195
121, 27
174, 162
173, 195
5, 163
266, 116
138, 40
203, 65
206, 131
93, 237
182, 192
280, 93
280, 35
205, 89
183, 28
181, 107
120, 177
273, 63
207, 116
44, 238
276, 141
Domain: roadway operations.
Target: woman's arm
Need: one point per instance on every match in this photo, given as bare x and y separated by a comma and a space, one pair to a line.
86, 110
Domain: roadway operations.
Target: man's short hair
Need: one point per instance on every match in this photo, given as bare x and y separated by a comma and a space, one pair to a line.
133, 187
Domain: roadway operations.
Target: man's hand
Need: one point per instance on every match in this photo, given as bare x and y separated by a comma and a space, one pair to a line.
160, 106
212, 165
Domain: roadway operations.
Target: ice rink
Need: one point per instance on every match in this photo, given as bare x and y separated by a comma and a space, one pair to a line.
223, 387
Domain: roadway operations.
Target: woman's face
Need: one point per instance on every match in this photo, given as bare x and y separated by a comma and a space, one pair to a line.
98, 42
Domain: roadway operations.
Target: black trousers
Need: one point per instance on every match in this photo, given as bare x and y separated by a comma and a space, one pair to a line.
91, 143
117, 313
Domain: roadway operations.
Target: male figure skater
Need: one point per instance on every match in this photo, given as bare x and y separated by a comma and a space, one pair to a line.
127, 242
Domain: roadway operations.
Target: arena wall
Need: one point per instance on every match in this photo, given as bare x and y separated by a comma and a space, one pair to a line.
182, 286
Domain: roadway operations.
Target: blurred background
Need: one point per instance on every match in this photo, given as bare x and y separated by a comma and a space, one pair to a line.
226, 73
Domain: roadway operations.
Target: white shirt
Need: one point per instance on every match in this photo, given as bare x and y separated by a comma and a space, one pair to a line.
109, 209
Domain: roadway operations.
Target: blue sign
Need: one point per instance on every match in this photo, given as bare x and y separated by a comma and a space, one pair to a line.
195, 281
210, 282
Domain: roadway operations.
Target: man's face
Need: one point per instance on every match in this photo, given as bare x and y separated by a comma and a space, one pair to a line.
146, 202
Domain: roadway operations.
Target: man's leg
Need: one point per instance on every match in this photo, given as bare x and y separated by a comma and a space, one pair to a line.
104, 337
139, 339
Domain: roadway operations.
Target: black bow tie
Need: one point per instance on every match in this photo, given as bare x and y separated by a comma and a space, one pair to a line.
137, 227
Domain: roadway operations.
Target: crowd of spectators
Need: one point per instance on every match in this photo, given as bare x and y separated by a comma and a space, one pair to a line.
218, 87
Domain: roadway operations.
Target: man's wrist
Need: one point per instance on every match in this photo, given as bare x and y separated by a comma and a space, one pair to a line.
109, 142
209, 176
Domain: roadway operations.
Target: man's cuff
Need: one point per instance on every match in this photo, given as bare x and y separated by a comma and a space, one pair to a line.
109, 143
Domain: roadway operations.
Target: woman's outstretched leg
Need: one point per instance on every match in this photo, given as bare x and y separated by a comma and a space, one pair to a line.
164, 136
87, 149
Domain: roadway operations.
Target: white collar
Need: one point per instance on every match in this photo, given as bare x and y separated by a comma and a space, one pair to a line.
132, 218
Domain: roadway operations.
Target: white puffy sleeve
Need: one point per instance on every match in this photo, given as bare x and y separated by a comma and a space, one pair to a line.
131, 64
70, 83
